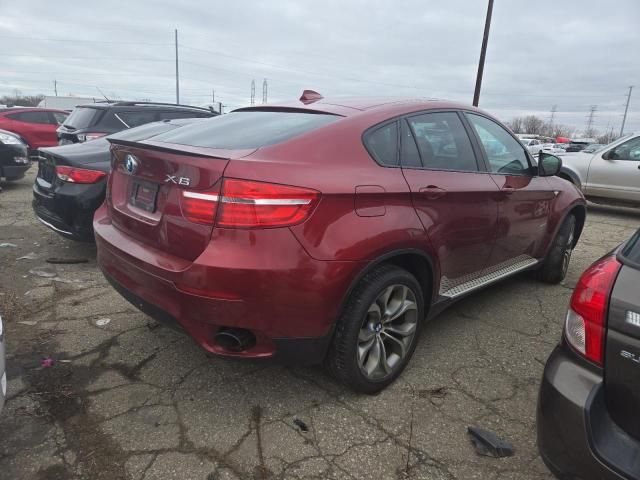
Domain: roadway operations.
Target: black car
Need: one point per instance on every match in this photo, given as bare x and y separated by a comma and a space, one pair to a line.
589, 403
576, 147
71, 180
14, 157
88, 122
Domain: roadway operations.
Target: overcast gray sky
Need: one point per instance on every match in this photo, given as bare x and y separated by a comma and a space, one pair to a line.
568, 53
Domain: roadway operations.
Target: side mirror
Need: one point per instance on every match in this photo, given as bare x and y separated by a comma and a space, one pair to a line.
548, 165
606, 155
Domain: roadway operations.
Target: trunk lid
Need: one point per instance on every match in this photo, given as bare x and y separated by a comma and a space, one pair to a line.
622, 353
144, 200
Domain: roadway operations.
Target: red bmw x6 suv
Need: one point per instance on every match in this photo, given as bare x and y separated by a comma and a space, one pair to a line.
329, 230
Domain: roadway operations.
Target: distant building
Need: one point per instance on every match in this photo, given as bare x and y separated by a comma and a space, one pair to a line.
64, 103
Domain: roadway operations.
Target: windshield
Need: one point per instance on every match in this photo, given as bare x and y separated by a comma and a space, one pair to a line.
81, 117
248, 129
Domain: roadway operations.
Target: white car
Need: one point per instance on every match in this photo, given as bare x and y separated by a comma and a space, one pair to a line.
610, 175
3, 374
552, 148
533, 144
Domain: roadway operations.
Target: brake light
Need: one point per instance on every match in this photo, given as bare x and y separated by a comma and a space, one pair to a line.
78, 175
249, 204
199, 207
587, 315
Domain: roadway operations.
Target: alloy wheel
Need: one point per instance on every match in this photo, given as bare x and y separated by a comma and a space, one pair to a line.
387, 332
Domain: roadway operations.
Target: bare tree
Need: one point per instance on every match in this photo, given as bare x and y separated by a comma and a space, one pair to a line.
24, 101
532, 124
515, 125
607, 137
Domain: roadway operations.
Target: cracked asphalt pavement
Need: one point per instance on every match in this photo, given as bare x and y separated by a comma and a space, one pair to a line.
129, 399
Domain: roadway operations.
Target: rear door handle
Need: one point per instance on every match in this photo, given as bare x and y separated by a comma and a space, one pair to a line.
432, 192
508, 189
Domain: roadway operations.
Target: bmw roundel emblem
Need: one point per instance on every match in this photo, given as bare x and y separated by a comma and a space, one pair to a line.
131, 164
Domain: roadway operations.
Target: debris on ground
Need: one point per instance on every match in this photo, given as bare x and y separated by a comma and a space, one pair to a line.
488, 444
29, 256
68, 261
301, 425
29, 323
47, 362
101, 322
435, 395
42, 272
7, 245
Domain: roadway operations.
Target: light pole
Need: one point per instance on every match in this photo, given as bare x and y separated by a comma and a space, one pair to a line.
483, 53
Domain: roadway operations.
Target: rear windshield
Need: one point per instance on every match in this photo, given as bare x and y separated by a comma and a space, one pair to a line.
631, 250
151, 129
252, 129
81, 117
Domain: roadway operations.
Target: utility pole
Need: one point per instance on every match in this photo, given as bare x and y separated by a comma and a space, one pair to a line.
177, 72
55, 87
589, 130
483, 53
264, 91
626, 109
253, 92
554, 109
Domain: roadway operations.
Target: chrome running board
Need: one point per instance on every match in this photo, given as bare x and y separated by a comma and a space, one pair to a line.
460, 286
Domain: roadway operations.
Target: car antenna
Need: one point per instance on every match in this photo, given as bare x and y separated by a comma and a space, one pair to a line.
102, 93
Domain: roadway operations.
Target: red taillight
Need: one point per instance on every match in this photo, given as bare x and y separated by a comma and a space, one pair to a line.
249, 204
78, 175
199, 207
587, 316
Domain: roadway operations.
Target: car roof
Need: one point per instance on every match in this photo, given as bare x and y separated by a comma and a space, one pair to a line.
145, 105
351, 106
30, 109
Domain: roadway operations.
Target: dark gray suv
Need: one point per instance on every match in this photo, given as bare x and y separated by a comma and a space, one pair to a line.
95, 120
589, 404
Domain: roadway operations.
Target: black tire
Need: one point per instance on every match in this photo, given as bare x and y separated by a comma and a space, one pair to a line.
342, 357
555, 265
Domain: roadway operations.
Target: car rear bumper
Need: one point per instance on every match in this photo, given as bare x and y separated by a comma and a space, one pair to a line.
287, 300
577, 438
68, 208
15, 172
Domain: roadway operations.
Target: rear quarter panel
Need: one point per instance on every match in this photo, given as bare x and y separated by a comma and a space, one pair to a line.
333, 160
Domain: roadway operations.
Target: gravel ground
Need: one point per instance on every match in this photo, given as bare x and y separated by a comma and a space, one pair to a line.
129, 399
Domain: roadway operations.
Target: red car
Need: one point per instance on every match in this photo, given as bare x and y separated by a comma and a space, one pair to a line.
36, 126
329, 230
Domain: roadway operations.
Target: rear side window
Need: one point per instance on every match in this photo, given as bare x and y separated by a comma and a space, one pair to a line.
59, 117
81, 117
135, 119
30, 117
409, 155
382, 144
247, 129
443, 142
